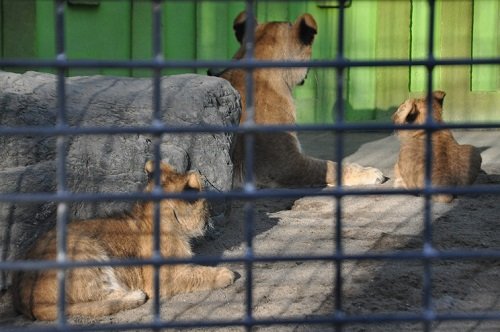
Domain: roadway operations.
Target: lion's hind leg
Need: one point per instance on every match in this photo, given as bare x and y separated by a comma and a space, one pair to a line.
105, 295
114, 302
90, 292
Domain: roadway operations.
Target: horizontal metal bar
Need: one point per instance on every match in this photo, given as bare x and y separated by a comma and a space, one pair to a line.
244, 194
343, 319
244, 63
195, 1
404, 255
256, 128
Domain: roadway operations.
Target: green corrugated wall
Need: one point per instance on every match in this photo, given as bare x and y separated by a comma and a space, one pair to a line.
384, 29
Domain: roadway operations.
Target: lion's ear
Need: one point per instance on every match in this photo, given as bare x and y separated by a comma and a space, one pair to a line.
194, 180
307, 28
239, 26
407, 112
149, 167
412, 115
439, 95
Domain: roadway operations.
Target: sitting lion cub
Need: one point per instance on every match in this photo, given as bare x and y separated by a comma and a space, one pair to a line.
452, 164
105, 290
278, 157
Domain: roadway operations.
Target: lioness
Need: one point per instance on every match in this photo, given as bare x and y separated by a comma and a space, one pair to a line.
452, 164
278, 157
105, 290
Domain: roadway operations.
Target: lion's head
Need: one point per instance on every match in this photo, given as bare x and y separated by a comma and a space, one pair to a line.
181, 215
414, 111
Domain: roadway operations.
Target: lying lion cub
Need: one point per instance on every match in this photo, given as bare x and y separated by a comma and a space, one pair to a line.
452, 164
278, 157
100, 291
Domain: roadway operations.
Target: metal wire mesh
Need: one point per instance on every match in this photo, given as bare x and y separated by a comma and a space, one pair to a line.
338, 318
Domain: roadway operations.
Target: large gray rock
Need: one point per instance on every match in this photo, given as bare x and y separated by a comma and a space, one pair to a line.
105, 163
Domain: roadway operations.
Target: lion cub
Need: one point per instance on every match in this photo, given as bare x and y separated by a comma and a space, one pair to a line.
452, 164
105, 290
278, 157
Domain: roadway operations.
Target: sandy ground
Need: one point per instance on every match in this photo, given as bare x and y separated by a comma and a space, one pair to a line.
370, 224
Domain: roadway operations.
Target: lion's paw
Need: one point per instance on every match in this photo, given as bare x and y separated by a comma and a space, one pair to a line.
136, 297
355, 174
224, 277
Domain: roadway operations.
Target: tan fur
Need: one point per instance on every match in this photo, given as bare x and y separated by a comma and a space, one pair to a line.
105, 290
278, 157
452, 164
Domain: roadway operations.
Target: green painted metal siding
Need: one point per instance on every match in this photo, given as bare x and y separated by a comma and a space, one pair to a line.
17, 32
384, 29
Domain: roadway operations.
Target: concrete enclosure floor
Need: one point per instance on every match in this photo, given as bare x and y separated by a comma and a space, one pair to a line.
370, 224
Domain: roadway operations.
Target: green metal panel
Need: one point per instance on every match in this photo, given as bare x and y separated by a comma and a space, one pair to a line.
2, 10
316, 98
419, 32
219, 35
454, 38
45, 24
272, 11
179, 33
141, 44
360, 38
92, 32
17, 31
89, 28
486, 43
1, 28
314, 104
419, 43
218, 42
383, 29
308, 102
179, 39
455, 42
394, 19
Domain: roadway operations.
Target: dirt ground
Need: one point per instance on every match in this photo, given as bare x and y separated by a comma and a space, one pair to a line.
370, 224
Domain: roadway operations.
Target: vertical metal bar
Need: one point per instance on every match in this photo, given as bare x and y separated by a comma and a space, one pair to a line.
339, 116
156, 121
249, 141
61, 144
249, 256
428, 246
